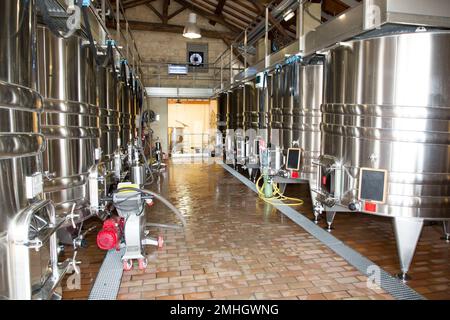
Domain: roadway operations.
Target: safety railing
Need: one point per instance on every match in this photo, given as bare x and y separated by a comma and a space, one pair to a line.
156, 74
125, 43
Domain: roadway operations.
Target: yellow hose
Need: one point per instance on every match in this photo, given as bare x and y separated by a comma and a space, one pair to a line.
277, 196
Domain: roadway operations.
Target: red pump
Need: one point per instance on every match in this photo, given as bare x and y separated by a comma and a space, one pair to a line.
109, 237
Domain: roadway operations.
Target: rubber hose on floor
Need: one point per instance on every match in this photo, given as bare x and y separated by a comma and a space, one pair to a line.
168, 204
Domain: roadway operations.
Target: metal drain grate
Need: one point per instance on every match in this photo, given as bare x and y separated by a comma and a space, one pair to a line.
108, 279
390, 284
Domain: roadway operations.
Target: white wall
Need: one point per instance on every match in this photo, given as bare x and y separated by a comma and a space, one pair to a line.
159, 106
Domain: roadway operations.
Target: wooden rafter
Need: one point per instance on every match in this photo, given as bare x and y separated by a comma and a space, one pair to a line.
133, 3
239, 13
208, 15
232, 8
176, 12
161, 27
237, 17
218, 11
220, 7
232, 18
165, 13
335, 7
151, 7
165, 16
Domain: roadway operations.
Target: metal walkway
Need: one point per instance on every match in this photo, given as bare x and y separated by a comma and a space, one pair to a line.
108, 279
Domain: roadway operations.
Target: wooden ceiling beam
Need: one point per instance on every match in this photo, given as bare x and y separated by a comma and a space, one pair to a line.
231, 11
209, 15
334, 7
165, 13
220, 7
218, 10
244, 4
161, 27
131, 4
151, 7
231, 8
232, 17
176, 12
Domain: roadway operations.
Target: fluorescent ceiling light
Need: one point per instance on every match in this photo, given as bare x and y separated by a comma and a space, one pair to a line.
288, 15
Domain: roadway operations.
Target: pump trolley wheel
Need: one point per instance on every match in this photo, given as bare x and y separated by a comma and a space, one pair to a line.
160, 241
127, 265
142, 264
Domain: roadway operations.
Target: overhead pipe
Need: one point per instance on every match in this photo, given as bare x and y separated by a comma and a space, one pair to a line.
277, 14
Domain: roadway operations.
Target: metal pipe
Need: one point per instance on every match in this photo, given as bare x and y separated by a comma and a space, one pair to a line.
126, 36
266, 41
118, 21
104, 11
231, 64
301, 26
221, 72
245, 49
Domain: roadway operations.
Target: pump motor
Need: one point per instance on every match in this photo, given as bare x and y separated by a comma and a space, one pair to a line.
109, 237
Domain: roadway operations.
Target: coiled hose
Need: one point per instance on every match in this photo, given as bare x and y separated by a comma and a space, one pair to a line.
277, 196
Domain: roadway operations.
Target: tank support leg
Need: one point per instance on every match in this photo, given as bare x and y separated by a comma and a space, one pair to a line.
316, 216
407, 233
283, 187
446, 225
330, 218
253, 177
317, 210
250, 173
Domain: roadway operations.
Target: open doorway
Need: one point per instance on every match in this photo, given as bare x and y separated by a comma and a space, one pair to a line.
191, 127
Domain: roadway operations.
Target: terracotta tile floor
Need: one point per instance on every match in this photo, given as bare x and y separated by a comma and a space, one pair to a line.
235, 247
91, 259
374, 238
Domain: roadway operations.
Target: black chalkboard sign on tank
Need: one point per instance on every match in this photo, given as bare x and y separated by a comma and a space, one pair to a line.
372, 185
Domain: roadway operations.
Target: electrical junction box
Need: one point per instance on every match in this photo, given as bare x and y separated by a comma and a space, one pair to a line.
34, 185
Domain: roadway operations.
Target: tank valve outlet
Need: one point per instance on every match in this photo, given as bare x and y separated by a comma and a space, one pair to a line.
80, 243
60, 249
352, 206
50, 176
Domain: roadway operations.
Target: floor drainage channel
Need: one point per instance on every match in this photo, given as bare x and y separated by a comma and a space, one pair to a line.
390, 284
107, 283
